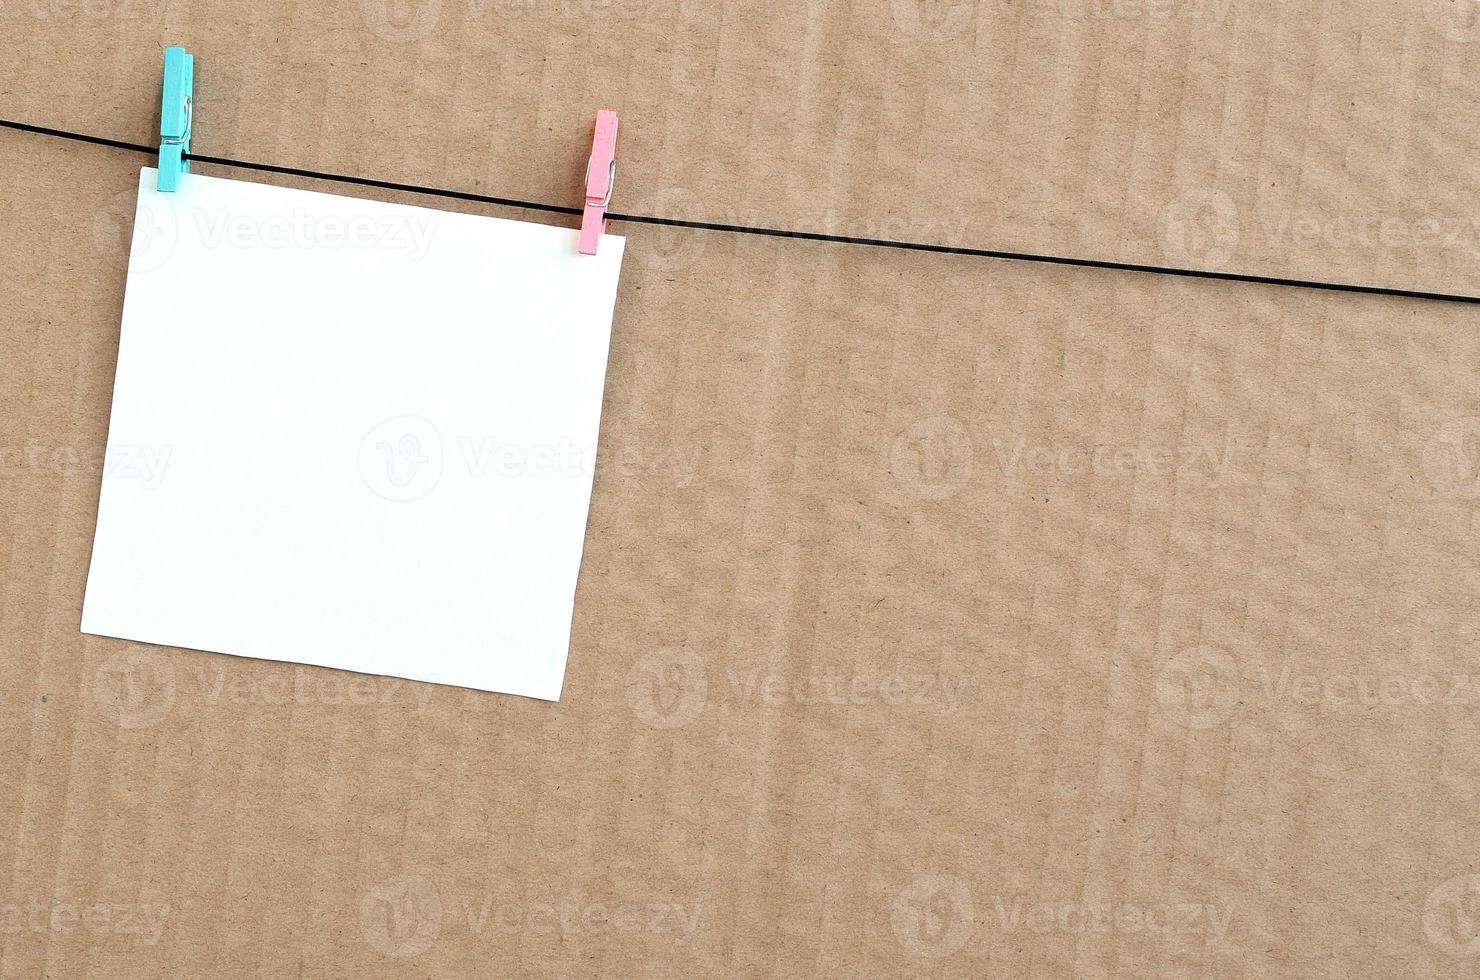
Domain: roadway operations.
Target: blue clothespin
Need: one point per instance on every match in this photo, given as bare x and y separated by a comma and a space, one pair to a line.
174, 117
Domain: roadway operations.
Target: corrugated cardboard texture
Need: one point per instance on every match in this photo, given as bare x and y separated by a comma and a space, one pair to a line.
938, 616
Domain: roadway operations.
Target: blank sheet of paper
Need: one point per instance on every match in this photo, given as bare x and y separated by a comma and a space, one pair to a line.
352, 434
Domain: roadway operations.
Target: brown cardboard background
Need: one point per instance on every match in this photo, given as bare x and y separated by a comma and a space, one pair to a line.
807, 472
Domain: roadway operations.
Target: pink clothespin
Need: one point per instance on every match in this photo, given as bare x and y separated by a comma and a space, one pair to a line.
601, 174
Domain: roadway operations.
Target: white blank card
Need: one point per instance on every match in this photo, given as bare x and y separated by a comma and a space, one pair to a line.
352, 434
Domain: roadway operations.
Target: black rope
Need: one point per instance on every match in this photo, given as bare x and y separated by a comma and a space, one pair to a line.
80, 137
388, 185
810, 236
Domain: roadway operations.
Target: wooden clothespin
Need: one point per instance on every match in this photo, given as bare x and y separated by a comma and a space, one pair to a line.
601, 174
174, 117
